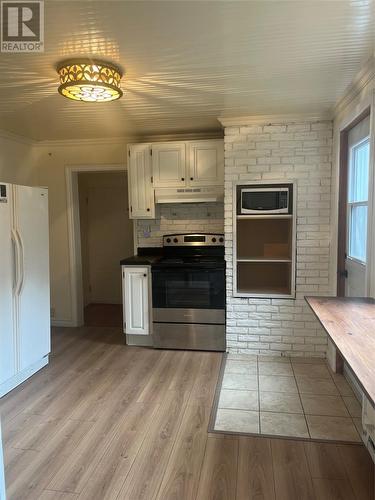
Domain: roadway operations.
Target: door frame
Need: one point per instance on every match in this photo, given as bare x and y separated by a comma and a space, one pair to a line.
342, 202
74, 233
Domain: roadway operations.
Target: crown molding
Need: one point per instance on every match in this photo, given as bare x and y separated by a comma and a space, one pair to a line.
364, 77
103, 141
273, 119
188, 136
10, 136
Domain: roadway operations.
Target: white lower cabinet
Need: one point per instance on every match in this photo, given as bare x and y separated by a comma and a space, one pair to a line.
136, 300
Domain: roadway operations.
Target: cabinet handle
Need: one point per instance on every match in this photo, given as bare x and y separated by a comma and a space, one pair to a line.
145, 275
148, 210
182, 178
191, 178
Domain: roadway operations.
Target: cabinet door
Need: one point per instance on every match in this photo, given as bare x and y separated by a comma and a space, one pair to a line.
141, 193
2, 478
168, 164
8, 343
206, 163
136, 300
33, 294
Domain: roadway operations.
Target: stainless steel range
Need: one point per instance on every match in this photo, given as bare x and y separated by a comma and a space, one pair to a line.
188, 293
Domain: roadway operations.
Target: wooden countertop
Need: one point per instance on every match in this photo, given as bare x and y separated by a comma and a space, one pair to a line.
350, 323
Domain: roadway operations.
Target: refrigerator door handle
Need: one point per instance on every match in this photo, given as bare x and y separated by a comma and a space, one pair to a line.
15, 263
21, 266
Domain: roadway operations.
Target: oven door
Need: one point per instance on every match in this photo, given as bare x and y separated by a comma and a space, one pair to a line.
189, 308
188, 288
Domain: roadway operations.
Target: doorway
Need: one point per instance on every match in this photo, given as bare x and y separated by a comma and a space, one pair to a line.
106, 234
353, 209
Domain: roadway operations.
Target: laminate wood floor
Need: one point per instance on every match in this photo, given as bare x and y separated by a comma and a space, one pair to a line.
104, 421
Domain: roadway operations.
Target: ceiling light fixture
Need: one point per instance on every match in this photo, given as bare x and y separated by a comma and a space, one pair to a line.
89, 80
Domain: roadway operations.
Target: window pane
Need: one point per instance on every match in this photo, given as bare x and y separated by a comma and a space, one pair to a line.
358, 173
358, 232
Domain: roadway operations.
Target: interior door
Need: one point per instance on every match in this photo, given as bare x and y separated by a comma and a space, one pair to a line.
357, 210
8, 365
168, 164
33, 296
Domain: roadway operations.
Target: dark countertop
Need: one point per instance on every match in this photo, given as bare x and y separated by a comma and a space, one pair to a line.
145, 257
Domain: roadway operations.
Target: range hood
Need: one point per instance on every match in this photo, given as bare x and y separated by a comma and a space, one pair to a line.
189, 195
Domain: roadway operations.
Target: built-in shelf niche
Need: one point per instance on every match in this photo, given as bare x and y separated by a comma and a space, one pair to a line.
269, 238
268, 278
264, 250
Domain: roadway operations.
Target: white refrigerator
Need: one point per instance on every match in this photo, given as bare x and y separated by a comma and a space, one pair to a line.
24, 283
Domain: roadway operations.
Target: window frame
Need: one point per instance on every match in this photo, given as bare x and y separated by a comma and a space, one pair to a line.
352, 204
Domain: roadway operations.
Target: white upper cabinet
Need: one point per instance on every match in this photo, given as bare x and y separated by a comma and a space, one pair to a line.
141, 193
206, 163
168, 164
189, 164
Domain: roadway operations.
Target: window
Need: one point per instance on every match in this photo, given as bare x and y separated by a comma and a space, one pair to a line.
358, 200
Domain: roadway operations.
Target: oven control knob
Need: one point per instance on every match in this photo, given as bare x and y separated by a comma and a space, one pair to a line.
175, 240
168, 240
221, 239
213, 240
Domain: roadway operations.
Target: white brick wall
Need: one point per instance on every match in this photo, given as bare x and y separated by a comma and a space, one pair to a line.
180, 218
300, 152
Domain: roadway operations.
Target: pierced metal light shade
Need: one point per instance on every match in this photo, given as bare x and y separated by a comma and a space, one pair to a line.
89, 80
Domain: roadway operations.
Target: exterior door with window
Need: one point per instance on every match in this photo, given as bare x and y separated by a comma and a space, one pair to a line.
357, 210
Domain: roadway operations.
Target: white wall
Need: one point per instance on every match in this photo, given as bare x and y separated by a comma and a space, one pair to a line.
17, 161
283, 151
51, 160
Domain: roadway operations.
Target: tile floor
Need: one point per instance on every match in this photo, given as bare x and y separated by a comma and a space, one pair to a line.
290, 397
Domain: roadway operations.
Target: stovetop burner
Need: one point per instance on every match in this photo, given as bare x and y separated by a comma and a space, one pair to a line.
193, 250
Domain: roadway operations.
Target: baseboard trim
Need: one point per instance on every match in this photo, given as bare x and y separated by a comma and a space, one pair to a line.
140, 340
20, 377
63, 322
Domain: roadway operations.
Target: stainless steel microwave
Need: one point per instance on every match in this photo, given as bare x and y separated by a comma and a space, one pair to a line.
265, 200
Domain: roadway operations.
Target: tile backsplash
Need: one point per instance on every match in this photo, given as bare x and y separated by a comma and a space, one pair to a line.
180, 218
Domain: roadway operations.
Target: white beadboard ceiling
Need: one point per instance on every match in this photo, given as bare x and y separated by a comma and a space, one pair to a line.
186, 63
